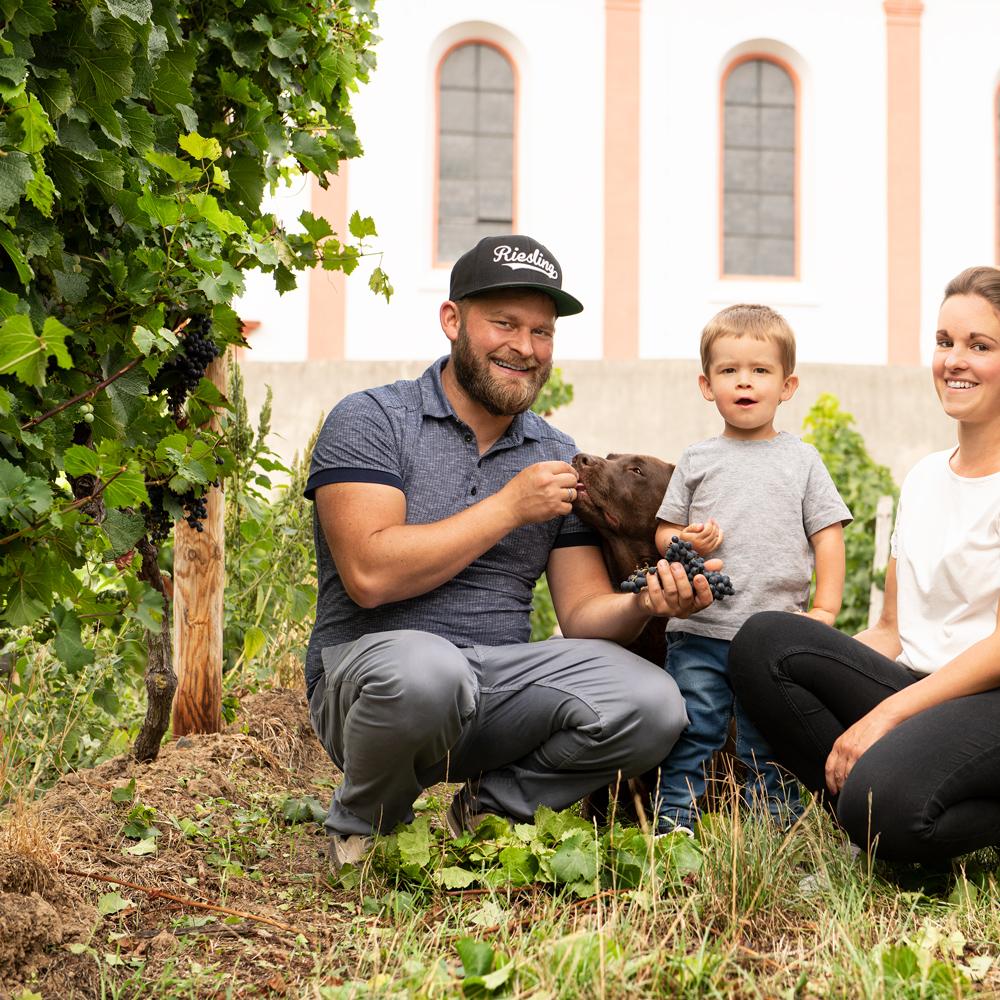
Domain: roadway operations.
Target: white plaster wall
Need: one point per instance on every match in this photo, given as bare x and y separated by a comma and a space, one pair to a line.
838, 307
960, 57
558, 49
284, 319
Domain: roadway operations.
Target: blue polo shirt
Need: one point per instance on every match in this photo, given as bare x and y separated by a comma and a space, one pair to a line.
407, 435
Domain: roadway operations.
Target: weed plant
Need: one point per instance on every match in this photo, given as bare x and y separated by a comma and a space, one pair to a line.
270, 560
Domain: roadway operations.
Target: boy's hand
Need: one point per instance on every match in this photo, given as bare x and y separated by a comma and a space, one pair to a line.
705, 537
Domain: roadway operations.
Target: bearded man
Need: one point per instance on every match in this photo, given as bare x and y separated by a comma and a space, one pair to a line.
438, 504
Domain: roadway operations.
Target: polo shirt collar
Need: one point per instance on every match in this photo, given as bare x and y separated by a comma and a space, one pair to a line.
436, 404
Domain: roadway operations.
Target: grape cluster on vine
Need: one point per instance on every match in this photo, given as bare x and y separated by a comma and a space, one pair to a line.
159, 521
183, 374
684, 553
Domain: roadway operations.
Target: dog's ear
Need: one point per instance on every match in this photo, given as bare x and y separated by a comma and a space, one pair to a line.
612, 456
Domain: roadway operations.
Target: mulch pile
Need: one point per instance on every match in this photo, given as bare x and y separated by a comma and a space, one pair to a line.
55, 852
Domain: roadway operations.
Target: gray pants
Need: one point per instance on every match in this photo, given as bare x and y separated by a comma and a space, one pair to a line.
535, 723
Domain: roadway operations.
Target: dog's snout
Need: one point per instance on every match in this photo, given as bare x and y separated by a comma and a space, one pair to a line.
583, 459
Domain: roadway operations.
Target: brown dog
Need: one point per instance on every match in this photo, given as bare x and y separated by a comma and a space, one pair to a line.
618, 497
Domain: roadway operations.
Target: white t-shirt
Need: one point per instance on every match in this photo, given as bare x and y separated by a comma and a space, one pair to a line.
947, 548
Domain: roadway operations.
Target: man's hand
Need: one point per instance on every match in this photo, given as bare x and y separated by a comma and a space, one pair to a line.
706, 537
669, 593
851, 744
540, 492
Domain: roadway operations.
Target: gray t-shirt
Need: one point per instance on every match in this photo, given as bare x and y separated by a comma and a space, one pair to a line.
768, 497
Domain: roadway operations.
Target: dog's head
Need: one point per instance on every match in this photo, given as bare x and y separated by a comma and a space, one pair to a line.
620, 494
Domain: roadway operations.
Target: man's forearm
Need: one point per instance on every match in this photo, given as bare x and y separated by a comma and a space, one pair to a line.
405, 560
619, 617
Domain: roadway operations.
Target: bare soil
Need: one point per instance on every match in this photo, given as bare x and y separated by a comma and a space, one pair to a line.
215, 801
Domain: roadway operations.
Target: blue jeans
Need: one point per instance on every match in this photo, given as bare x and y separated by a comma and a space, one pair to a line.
699, 665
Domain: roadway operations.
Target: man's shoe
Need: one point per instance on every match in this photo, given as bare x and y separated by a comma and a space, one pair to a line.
460, 818
350, 850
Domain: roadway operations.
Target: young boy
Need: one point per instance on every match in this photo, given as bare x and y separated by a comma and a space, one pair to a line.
763, 502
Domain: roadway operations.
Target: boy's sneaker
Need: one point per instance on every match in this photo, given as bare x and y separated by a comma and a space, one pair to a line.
667, 826
350, 850
460, 817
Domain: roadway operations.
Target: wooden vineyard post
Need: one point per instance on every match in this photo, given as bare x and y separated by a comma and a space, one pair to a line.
199, 581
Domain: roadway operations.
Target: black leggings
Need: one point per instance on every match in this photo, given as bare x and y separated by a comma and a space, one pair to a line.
928, 790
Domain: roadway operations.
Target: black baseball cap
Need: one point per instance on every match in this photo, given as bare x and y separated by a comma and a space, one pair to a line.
511, 262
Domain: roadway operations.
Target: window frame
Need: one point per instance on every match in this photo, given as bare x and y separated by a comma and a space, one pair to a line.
436, 260
783, 64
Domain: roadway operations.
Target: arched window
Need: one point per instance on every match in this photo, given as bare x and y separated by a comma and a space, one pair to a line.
758, 149
475, 147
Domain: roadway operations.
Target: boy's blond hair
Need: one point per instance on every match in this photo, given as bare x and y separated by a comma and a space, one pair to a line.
756, 321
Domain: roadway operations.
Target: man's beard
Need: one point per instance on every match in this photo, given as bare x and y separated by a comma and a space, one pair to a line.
498, 397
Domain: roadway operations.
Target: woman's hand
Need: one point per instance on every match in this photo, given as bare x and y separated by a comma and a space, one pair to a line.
851, 744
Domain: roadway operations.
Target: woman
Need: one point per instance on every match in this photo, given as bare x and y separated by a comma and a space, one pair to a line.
900, 726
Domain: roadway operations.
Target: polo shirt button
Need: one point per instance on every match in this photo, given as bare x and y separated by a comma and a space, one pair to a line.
473, 491
468, 438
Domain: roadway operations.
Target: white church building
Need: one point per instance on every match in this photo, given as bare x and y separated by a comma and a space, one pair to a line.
836, 160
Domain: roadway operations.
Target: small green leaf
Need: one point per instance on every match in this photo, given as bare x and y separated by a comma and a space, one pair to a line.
21, 351
68, 645
303, 810
15, 173
575, 860
123, 529
20, 261
112, 902
143, 339
81, 461
124, 793
163, 211
362, 227
316, 226
188, 116
454, 878
476, 956
145, 846
254, 640
34, 124
139, 11
200, 148
40, 191
54, 336
415, 843
224, 222
173, 166
127, 489
379, 283
285, 45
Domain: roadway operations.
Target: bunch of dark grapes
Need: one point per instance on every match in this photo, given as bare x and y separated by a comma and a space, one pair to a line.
159, 521
683, 553
195, 511
184, 373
